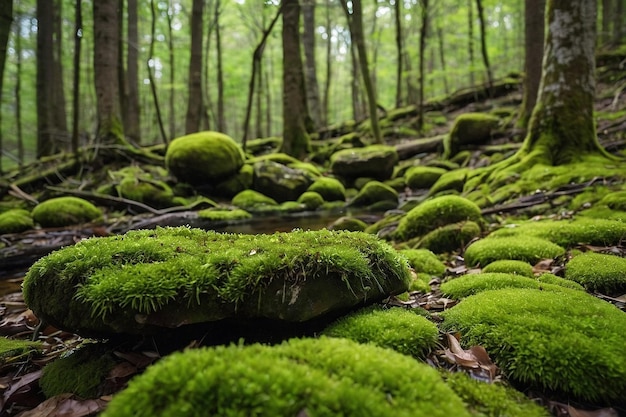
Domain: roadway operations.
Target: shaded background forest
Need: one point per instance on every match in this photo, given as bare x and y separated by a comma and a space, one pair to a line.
417, 50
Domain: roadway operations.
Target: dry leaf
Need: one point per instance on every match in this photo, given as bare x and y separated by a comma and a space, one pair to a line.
66, 405
603, 412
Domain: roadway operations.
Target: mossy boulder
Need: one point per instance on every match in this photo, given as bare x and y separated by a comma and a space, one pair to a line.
449, 238
331, 189
320, 377
348, 223
566, 341
242, 180
65, 211
435, 213
148, 280
312, 200
280, 182
469, 128
471, 284
553, 279
156, 194
522, 248
254, 201
375, 192
423, 260
204, 158
598, 272
222, 214
422, 176
450, 182
15, 221
375, 161
508, 266
401, 330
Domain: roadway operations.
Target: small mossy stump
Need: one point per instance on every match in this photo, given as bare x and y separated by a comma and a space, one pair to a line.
204, 158
65, 211
15, 221
148, 280
280, 182
330, 188
521, 248
376, 161
471, 284
508, 266
598, 272
423, 260
324, 377
254, 201
420, 177
435, 213
469, 128
567, 341
375, 192
395, 328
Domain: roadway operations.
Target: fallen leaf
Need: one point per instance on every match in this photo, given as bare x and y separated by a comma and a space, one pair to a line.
602, 412
66, 405
19, 389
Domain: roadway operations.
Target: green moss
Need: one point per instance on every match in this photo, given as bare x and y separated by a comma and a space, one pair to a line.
435, 213
374, 192
469, 128
423, 260
471, 284
65, 211
279, 157
492, 399
331, 189
450, 181
218, 214
529, 249
420, 282
397, 184
553, 279
615, 201
153, 193
394, 328
15, 221
348, 223
564, 341
242, 180
306, 167
14, 349
376, 161
312, 200
83, 373
422, 176
508, 266
384, 226
598, 272
449, 238
323, 377
292, 207
253, 201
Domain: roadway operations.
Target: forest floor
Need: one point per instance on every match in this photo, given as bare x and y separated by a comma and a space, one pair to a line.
20, 393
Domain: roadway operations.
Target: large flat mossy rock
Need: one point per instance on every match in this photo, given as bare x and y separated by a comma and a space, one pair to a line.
376, 161
147, 280
280, 182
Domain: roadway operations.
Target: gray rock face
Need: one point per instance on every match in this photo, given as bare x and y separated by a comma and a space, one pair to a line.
375, 161
279, 181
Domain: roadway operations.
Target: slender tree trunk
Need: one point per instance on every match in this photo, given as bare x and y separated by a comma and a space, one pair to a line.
607, 17
422, 75
18, 92
45, 78
355, 84
78, 28
194, 79
329, 43
150, 64
121, 66
207, 107
6, 18
399, 51
258, 128
268, 103
59, 115
534, 17
470, 41
221, 117
442, 59
295, 112
132, 124
310, 68
618, 24
170, 47
483, 44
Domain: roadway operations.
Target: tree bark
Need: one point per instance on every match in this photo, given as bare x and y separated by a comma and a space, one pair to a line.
483, 43
170, 47
607, 12
310, 68
132, 116
59, 115
45, 79
470, 40
329, 43
6, 19
194, 79
399, 51
618, 23
149, 64
295, 112
221, 117
78, 27
422, 49
534, 37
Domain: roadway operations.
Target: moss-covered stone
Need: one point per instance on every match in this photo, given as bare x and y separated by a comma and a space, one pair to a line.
234, 184
469, 128
311, 199
422, 176
565, 341
449, 238
204, 157
15, 221
598, 272
376, 161
553, 279
452, 181
374, 192
148, 280
221, 214
278, 157
471, 284
65, 211
348, 223
331, 189
528, 249
401, 330
326, 377
251, 200
280, 182
508, 266
156, 194
307, 167
423, 260
420, 282
435, 213
615, 201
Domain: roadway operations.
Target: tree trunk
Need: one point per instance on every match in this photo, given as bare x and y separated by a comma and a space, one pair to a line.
483, 44
59, 115
170, 47
534, 37
399, 51
618, 23
310, 68
442, 59
295, 112
6, 18
607, 12
132, 124
150, 64
422, 49
45, 78
355, 84
329, 43
78, 27
470, 40
221, 117
194, 79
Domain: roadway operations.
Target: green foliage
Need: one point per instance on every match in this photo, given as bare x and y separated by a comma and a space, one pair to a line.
508, 266
395, 328
323, 377
565, 341
422, 176
471, 284
331, 189
65, 211
374, 192
520, 247
423, 260
15, 221
598, 272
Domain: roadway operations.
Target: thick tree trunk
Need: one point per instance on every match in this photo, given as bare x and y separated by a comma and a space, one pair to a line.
310, 68
170, 48
618, 23
59, 116
221, 117
78, 27
399, 51
132, 125
6, 18
295, 113
45, 79
607, 12
534, 37
194, 79
325, 101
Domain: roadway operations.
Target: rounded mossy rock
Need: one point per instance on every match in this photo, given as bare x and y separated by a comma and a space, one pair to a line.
423, 260
471, 284
508, 266
566, 341
598, 272
422, 176
449, 238
203, 158
450, 182
234, 184
323, 377
280, 182
147, 280
65, 211
15, 221
615, 201
312, 200
521, 248
222, 214
435, 213
254, 201
553, 279
395, 328
331, 189
469, 128
375, 161
375, 192
156, 194
348, 223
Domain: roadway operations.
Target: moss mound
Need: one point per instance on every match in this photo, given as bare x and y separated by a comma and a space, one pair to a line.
450, 182
348, 223
553, 279
312, 200
376, 161
203, 157
254, 201
220, 214
615, 201
435, 213
331, 189
521, 248
147, 280
564, 341
449, 238
65, 211
10, 348
375, 192
422, 176
15, 221
423, 260
471, 284
508, 266
395, 328
319, 377
598, 272
469, 128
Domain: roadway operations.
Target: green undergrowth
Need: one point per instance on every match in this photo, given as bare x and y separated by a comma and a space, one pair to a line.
598, 272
